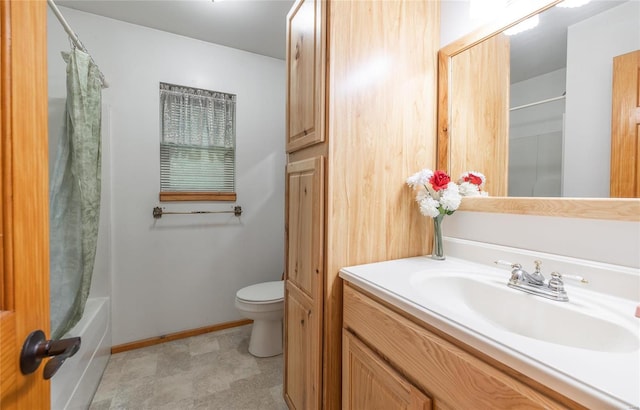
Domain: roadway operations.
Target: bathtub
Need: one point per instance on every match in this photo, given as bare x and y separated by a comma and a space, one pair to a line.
75, 383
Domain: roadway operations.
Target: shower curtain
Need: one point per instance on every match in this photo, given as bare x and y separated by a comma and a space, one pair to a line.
74, 194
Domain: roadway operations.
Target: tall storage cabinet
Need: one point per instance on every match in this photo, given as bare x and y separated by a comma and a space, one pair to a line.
361, 118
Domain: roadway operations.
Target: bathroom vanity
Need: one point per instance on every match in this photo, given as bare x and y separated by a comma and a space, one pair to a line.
424, 334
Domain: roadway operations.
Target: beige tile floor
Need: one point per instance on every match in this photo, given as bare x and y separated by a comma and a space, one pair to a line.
210, 371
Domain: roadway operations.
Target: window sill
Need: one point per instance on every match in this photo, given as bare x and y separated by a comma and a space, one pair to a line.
197, 196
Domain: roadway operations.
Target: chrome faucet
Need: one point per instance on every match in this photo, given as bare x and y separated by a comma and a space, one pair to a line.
535, 284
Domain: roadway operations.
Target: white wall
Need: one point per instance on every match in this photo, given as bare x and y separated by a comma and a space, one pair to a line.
456, 21
182, 271
591, 46
615, 242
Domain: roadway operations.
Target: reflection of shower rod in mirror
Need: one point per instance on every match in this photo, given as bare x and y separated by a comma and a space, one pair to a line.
158, 212
538, 102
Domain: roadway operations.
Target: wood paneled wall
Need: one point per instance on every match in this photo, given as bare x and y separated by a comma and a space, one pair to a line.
479, 122
382, 128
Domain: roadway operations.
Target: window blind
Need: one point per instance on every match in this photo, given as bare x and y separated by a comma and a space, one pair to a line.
197, 147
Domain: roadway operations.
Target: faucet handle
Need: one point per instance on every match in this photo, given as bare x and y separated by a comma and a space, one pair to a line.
538, 264
500, 262
556, 283
517, 273
576, 278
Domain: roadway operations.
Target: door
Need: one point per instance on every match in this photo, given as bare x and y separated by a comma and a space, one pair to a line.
370, 383
303, 359
625, 126
304, 279
24, 225
305, 72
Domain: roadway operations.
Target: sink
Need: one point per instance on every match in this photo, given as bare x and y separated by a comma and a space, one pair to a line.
577, 323
586, 349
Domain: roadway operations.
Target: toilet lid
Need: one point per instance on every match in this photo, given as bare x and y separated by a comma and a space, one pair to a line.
262, 292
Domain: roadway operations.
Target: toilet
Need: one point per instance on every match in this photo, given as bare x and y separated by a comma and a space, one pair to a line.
264, 303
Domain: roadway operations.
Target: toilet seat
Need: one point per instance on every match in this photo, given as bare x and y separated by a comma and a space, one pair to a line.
262, 293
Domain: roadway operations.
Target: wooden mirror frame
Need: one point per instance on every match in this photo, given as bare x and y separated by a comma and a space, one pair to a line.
623, 209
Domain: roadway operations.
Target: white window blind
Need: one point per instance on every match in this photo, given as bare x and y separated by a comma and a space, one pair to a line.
197, 147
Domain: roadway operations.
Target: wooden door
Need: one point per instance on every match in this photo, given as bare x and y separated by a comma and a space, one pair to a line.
305, 197
369, 383
304, 279
24, 234
303, 346
305, 72
625, 126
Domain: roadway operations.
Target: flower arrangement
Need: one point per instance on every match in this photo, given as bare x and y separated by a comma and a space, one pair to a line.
470, 184
438, 195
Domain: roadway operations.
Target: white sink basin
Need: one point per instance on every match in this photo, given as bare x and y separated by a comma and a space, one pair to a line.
577, 323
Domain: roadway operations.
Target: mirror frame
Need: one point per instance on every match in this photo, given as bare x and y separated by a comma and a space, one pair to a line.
623, 209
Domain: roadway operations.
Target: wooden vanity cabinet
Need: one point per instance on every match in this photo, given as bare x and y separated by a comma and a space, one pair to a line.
452, 375
361, 118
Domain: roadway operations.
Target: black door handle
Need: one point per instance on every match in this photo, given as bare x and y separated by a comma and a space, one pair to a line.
37, 347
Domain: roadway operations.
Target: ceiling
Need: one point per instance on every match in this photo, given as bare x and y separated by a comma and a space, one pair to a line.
257, 26
544, 48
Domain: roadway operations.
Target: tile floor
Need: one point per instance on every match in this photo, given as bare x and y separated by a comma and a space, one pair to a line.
210, 371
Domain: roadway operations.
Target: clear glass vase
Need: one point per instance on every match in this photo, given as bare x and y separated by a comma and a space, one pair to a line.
438, 250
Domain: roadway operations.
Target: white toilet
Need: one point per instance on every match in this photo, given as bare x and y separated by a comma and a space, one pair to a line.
264, 303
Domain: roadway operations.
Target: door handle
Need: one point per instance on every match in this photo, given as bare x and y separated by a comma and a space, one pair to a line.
36, 347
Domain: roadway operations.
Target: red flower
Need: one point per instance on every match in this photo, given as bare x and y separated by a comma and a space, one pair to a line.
439, 180
474, 179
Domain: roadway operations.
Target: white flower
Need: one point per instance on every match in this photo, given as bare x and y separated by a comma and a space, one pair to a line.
450, 199
429, 207
421, 195
469, 189
419, 178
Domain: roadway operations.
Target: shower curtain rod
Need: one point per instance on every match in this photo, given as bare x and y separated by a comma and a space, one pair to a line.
519, 107
74, 38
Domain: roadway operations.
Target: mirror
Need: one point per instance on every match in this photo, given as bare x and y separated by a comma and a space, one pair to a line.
474, 117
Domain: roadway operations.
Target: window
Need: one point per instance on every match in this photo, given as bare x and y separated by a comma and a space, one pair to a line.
197, 144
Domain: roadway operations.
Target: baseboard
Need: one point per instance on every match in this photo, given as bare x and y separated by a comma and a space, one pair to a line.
178, 335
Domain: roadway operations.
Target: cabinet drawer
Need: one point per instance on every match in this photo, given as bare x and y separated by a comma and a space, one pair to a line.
450, 375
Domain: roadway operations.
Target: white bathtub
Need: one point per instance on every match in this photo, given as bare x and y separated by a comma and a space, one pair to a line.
75, 383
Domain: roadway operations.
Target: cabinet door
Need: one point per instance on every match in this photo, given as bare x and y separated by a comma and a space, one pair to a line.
454, 377
369, 383
304, 278
302, 351
305, 72
305, 225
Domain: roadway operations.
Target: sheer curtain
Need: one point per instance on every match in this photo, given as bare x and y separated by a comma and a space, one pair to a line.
197, 149
74, 194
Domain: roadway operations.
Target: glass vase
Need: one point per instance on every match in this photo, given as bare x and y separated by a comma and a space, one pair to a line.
438, 250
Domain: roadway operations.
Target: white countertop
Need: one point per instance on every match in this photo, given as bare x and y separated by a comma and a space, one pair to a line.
596, 379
